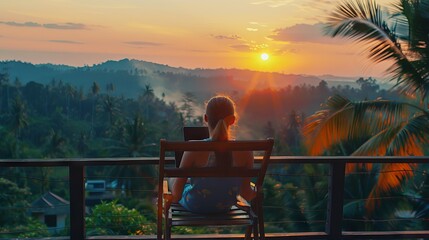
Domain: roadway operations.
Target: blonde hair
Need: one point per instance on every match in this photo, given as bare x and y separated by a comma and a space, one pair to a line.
220, 111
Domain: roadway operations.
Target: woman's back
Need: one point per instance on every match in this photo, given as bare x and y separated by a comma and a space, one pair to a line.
213, 194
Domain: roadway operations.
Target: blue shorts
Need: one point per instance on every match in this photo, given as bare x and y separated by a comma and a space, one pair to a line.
210, 195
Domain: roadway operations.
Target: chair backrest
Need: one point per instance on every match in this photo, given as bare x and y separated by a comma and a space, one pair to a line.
216, 146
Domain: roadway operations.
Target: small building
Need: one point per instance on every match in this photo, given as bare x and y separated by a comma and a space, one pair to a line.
97, 191
51, 210
95, 187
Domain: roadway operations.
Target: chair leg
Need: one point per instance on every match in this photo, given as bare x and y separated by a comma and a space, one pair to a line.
167, 228
261, 228
159, 227
255, 231
248, 235
261, 217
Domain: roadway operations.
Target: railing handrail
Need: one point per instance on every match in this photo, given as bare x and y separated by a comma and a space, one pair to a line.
42, 162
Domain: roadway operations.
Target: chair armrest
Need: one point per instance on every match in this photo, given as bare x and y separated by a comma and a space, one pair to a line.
165, 188
167, 196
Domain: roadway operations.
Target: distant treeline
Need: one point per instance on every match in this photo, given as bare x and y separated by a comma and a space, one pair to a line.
60, 120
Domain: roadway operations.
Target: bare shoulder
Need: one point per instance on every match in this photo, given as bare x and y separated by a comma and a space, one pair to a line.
194, 159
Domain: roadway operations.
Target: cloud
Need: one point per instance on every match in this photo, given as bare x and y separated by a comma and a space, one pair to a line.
274, 3
252, 29
205, 51
257, 24
303, 33
25, 24
241, 47
62, 26
225, 37
65, 41
65, 26
286, 51
143, 43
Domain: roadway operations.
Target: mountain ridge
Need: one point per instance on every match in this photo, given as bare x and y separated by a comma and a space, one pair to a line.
130, 76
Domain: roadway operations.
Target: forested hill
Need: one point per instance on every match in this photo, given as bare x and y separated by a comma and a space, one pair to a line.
131, 76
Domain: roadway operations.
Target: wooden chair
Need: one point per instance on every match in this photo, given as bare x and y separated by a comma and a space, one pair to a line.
250, 215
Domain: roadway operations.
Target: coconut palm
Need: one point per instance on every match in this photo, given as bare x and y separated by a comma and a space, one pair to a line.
18, 118
95, 89
109, 106
379, 127
134, 145
364, 22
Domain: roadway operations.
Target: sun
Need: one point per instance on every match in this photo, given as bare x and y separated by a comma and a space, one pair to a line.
265, 56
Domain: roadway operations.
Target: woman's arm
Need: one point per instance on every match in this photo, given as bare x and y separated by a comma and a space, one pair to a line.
179, 183
246, 191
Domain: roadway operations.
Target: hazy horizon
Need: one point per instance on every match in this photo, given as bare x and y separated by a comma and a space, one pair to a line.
333, 76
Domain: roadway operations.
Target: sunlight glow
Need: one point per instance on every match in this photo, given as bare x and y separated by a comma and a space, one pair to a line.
265, 56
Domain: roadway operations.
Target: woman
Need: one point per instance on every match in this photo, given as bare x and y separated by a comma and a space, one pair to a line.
212, 195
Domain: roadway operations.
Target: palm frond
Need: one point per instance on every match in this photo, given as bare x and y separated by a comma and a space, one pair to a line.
363, 21
408, 140
392, 176
378, 144
343, 120
329, 125
403, 139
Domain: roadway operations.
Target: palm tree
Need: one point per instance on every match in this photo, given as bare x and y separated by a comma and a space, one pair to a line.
379, 127
70, 93
56, 145
95, 89
187, 108
18, 121
147, 100
133, 146
110, 108
148, 91
19, 118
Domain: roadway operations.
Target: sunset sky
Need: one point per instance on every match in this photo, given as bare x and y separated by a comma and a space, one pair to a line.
181, 33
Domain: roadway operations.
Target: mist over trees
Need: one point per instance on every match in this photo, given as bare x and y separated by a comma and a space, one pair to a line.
59, 119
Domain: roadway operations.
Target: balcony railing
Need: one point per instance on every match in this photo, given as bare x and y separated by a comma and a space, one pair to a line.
334, 210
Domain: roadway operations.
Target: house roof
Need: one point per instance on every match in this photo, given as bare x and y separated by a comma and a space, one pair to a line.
50, 203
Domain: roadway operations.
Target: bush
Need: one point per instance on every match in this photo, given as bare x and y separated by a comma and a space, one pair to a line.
111, 218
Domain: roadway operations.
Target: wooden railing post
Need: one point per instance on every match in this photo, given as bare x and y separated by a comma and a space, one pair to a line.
335, 206
77, 201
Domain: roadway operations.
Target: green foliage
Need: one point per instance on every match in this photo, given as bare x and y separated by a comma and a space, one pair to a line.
14, 220
31, 229
13, 201
142, 205
111, 218
295, 198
